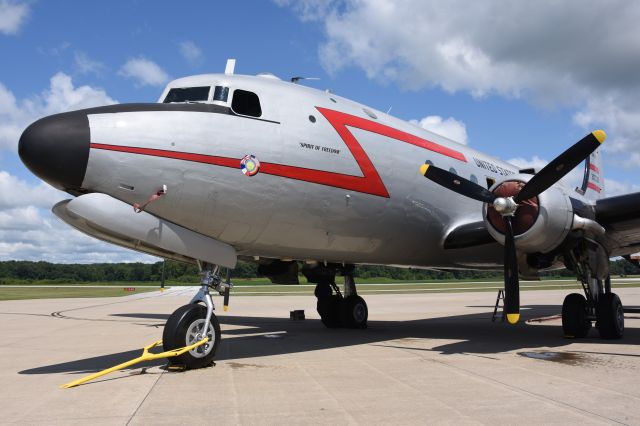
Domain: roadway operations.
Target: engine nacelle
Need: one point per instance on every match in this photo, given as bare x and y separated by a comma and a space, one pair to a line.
540, 224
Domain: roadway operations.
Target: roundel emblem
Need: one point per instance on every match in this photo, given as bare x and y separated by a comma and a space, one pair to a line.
250, 165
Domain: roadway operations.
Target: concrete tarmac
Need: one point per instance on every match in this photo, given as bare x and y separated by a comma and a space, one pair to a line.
425, 359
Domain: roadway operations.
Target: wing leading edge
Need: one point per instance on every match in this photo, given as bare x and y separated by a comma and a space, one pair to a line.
620, 216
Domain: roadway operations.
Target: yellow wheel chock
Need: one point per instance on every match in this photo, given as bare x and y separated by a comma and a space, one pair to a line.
146, 356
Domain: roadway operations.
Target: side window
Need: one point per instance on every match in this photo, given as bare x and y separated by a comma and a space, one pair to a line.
473, 178
187, 94
490, 182
246, 103
221, 93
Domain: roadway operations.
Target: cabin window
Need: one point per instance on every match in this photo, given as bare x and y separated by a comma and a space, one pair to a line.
452, 170
246, 103
187, 94
221, 93
490, 182
473, 179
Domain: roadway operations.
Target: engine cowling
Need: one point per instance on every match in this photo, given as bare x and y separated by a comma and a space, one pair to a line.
540, 224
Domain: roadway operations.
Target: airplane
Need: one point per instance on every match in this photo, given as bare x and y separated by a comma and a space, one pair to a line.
228, 166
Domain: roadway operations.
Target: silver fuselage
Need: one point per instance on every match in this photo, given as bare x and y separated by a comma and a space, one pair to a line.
335, 183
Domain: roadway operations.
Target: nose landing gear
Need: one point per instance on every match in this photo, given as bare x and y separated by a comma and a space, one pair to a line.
193, 322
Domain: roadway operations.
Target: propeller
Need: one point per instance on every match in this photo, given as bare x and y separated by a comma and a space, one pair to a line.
506, 206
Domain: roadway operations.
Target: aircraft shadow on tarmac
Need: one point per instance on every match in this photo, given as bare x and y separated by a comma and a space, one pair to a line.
474, 334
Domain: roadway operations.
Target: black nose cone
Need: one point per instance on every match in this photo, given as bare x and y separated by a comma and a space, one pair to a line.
56, 149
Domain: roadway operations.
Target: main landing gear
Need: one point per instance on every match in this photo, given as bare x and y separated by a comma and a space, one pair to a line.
599, 304
191, 323
335, 309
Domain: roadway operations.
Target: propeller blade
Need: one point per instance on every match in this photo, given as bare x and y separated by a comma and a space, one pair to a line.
511, 282
563, 164
226, 299
457, 184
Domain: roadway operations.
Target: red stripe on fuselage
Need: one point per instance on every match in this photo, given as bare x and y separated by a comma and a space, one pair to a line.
339, 120
594, 168
594, 187
369, 183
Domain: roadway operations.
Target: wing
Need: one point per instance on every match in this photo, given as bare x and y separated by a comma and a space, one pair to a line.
620, 216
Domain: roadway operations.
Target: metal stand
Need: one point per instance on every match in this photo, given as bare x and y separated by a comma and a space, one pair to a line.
495, 309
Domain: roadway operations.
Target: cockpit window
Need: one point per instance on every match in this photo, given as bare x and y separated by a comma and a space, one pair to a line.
187, 94
221, 93
246, 103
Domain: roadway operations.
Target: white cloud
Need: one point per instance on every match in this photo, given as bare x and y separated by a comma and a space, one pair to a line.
144, 71
547, 53
29, 231
15, 192
572, 180
191, 52
614, 187
85, 65
450, 128
309, 10
55, 51
524, 163
12, 16
16, 115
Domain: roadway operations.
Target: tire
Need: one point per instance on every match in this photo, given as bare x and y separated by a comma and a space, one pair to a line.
329, 310
575, 322
354, 312
610, 316
179, 332
322, 290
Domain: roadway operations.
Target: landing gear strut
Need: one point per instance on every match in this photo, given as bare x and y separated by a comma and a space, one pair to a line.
590, 262
193, 322
335, 309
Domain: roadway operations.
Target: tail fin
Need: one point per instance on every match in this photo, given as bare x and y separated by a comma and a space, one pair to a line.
593, 180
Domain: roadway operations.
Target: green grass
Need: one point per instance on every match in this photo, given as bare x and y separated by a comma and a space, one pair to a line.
65, 292
256, 287
427, 287
239, 282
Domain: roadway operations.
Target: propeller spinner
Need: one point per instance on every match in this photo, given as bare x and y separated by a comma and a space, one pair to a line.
506, 206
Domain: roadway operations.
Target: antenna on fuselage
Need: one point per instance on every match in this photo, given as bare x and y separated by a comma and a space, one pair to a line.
295, 80
231, 66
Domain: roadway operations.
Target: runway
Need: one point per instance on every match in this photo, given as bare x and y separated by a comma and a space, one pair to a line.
425, 358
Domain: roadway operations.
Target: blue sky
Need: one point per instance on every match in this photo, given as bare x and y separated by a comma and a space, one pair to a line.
518, 88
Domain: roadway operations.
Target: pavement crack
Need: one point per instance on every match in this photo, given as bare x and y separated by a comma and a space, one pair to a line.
145, 398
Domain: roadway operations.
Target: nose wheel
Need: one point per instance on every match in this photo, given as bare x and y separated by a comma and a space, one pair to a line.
185, 327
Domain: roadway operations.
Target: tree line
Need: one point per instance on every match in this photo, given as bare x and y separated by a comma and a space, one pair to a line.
18, 270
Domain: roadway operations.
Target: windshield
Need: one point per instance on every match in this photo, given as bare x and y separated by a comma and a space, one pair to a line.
187, 94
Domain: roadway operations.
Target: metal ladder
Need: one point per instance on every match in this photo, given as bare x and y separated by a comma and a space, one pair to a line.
495, 309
